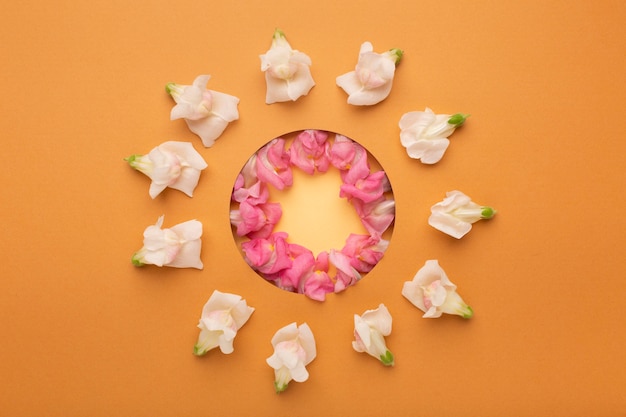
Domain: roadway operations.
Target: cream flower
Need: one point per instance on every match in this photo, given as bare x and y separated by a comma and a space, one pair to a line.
222, 316
206, 112
178, 247
287, 72
424, 134
456, 213
432, 292
171, 164
370, 330
371, 80
294, 348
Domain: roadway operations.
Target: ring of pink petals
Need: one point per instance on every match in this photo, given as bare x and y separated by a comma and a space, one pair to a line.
293, 267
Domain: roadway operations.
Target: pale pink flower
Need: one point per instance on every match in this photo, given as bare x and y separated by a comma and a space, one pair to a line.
376, 215
268, 256
287, 72
222, 316
367, 189
425, 134
273, 166
456, 213
432, 292
346, 275
350, 159
309, 151
370, 330
318, 283
302, 263
255, 220
172, 164
294, 348
372, 78
206, 112
178, 246
364, 251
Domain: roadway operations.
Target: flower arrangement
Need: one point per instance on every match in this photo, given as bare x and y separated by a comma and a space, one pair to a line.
254, 217
293, 267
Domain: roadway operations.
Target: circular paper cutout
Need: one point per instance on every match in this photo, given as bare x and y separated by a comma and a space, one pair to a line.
265, 233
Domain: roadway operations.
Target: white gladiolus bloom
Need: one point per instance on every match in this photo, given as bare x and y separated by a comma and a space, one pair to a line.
178, 246
287, 73
206, 112
222, 316
456, 213
294, 348
370, 330
372, 78
432, 292
425, 134
172, 164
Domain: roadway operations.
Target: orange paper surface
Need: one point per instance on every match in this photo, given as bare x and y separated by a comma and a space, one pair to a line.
84, 332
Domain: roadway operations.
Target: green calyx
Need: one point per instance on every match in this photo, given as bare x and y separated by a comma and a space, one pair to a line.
135, 260
467, 313
197, 350
487, 212
458, 119
170, 88
278, 34
279, 387
397, 55
387, 358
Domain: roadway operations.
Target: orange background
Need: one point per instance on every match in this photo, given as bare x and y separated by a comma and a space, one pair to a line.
86, 333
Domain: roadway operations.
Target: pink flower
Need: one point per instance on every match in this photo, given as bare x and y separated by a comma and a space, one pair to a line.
318, 283
346, 274
309, 151
376, 215
302, 262
268, 256
372, 78
432, 292
350, 159
273, 165
368, 189
247, 185
255, 220
364, 251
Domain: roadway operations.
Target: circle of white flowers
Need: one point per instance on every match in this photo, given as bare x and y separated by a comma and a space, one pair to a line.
178, 165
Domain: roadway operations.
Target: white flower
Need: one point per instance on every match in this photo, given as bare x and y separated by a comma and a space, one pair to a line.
171, 164
177, 247
206, 112
294, 348
424, 134
432, 292
370, 330
287, 72
371, 80
222, 316
456, 213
